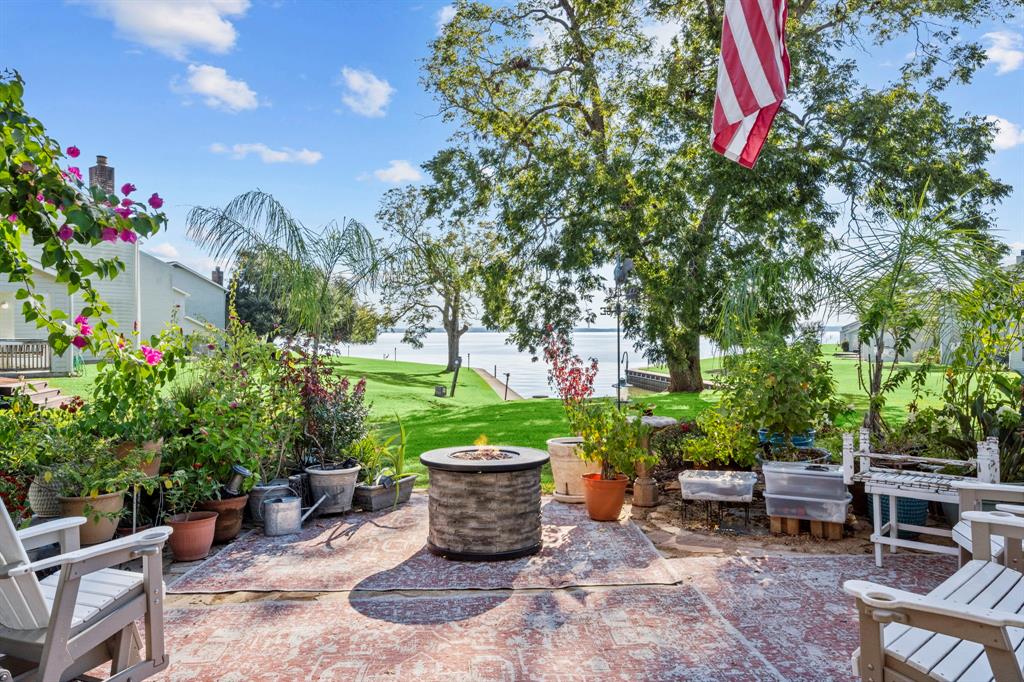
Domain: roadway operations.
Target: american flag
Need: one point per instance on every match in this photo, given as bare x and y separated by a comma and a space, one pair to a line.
753, 72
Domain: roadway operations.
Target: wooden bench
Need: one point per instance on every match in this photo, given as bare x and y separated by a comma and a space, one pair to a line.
966, 629
890, 482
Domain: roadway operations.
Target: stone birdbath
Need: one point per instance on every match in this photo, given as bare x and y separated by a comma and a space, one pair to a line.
645, 488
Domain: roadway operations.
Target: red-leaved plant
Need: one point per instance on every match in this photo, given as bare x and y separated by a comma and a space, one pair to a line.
572, 378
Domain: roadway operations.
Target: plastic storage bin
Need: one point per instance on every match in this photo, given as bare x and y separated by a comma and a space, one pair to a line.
724, 486
810, 508
804, 479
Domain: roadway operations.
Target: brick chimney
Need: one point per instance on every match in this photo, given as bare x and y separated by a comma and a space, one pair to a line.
102, 175
218, 276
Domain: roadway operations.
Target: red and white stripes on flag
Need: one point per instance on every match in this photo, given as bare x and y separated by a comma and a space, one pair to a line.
753, 72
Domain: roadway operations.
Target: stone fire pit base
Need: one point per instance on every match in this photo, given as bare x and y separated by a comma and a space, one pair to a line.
487, 508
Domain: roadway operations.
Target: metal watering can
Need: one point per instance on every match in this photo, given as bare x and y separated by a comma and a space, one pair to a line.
283, 515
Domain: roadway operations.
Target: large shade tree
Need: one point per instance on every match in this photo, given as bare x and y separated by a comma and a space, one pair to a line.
433, 267
313, 275
588, 140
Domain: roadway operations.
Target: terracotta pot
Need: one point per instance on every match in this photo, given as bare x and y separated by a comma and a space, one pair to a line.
125, 531
604, 498
568, 469
102, 515
151, 447
193, 534
229, 516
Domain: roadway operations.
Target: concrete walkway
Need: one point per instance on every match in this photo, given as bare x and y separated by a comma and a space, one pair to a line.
497, 385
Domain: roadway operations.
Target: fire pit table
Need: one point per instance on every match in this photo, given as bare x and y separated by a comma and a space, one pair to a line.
484, 502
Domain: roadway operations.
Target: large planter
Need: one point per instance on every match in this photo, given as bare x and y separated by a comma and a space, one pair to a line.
377, 497
259, 492
229, 516
193, 534
102, 514
604, 498
568, 469
338, 485
153, 448
805, 440
42, 499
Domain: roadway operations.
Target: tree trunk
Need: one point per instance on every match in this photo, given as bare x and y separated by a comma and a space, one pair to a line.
873, 417
453, 347
684, 366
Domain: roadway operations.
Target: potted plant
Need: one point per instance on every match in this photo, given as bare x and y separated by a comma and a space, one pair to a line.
719, 442
574, 382
385, 481
193, 530
615, 442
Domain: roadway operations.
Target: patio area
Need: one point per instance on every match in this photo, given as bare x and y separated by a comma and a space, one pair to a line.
359, 598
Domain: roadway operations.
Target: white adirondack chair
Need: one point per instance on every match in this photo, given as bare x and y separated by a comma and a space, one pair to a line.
1008, 498
79, 618
969, 628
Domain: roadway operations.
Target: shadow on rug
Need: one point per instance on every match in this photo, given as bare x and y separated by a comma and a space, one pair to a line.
386, 551
629, 634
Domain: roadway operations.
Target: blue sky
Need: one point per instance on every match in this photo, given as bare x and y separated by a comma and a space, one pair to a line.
318, 103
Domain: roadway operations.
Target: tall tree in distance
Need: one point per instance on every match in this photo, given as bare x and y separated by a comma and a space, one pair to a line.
587, 138
253, 303
433, 268
314, 276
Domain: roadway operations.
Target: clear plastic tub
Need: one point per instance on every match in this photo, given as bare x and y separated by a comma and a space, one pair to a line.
723, 486
804, 479
810, 508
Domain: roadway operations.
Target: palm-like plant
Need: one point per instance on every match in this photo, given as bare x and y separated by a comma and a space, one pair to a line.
314, 274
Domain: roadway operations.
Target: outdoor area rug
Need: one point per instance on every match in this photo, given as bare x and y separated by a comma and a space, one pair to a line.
387, 551
793, 610
598, 634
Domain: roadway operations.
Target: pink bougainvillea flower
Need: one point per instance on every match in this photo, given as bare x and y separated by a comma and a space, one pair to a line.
234, 405
66, 232
73, 170
73, 151
126, 202
84, 329
13, 217
155, 201
129, 236
108, 234
127, 188
123, 211
152, 355
40, 198
79, 342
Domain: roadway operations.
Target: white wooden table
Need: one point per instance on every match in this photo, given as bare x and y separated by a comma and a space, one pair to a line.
891, 483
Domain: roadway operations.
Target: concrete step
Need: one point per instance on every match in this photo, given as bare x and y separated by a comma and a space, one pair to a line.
10, 386
41, 397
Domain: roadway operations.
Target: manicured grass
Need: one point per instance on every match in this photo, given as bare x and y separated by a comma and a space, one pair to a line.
80, 385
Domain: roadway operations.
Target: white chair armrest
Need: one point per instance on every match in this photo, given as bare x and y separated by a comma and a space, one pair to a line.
1015, 509
154, 537
882, 597
991, 487
51, 527
1001, 518
63, 531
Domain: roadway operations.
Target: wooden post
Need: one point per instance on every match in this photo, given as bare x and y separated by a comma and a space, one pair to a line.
865, 449
848, 458
988, 460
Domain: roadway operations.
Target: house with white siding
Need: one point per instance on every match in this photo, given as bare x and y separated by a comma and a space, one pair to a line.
149, 292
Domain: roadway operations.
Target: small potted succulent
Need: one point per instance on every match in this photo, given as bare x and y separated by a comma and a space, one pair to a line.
193, 530
385, 483
615, 442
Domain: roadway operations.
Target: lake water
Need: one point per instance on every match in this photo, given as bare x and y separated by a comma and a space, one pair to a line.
488, 350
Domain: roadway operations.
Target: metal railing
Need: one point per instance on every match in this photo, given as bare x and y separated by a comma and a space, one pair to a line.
24, 355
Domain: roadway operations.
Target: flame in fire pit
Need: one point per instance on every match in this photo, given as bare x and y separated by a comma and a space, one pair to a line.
484, 451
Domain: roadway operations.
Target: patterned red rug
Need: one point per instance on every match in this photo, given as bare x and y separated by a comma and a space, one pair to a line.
386, 551
729, 619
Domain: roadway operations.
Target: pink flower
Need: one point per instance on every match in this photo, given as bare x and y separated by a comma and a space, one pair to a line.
79, 342
73, 151
129, 236
155, 201
73, 170
65, 233
83, 325
152, 355
127, 188
108, 234
123, 211
234, 405
126, 202
13, 217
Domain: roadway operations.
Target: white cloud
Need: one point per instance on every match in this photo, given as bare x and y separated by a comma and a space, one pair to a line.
397, 172
661, 32
1008, 134
218, 89
444, 15
365, 94
175, 26
163, 250
303, 156
1006, 50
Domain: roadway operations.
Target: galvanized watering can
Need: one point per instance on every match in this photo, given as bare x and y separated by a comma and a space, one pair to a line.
283, 515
